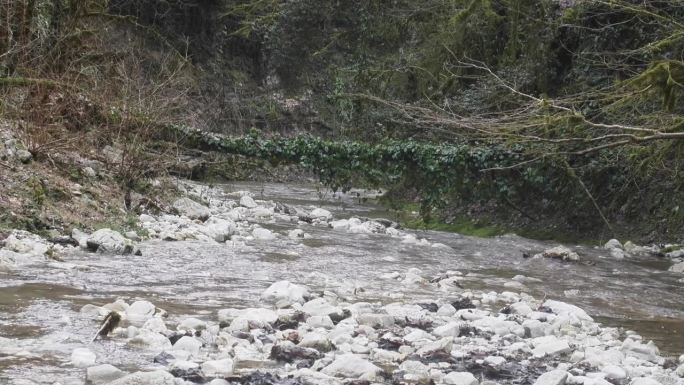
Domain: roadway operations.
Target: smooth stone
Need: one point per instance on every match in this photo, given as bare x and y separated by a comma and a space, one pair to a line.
150, 341
159, 377
248, 202
352, 366
415, 372
549, 346
139, 312
191, 209
218, 368
554, 377
285, 292
192, 324
109, 241
460, 378
188, 344
262, 234
614, 372
103, 374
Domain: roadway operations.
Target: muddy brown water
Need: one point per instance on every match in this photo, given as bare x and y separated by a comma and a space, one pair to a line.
39, 305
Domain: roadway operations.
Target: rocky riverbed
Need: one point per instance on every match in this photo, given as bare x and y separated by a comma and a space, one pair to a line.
236, 287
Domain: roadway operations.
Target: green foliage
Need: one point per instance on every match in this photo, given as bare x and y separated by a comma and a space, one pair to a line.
442, 175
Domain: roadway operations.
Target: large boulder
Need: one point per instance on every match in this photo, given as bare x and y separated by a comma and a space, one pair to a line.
109, 241
192, 209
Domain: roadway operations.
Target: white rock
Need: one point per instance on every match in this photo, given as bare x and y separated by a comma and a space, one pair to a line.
219, 229
24, 242
554, 377
139, 312
320, 306
183, 365
415, 372
82, 358
384, 357
377, 321
451, 329
534, 328
151, 341
316, 341
285, 292
263, 234
192, 324
188, 344
613, 244
443, 345
562, 308
218, 368
648, 352
446, 310
102, 374
460, 378
158, 377
109, 241
248, 202
320, 214
318, 321
549, 346
155, 324
494, 361
219, 381
614, 372
192, 209
352, 366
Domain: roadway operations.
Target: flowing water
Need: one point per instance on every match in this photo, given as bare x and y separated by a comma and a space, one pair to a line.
39, 305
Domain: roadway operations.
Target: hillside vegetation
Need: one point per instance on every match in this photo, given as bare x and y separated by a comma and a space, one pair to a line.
548, 116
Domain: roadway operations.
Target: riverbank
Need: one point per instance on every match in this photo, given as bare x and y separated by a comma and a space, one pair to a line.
366, 301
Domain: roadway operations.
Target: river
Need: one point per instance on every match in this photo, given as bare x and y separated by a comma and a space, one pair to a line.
40, 304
